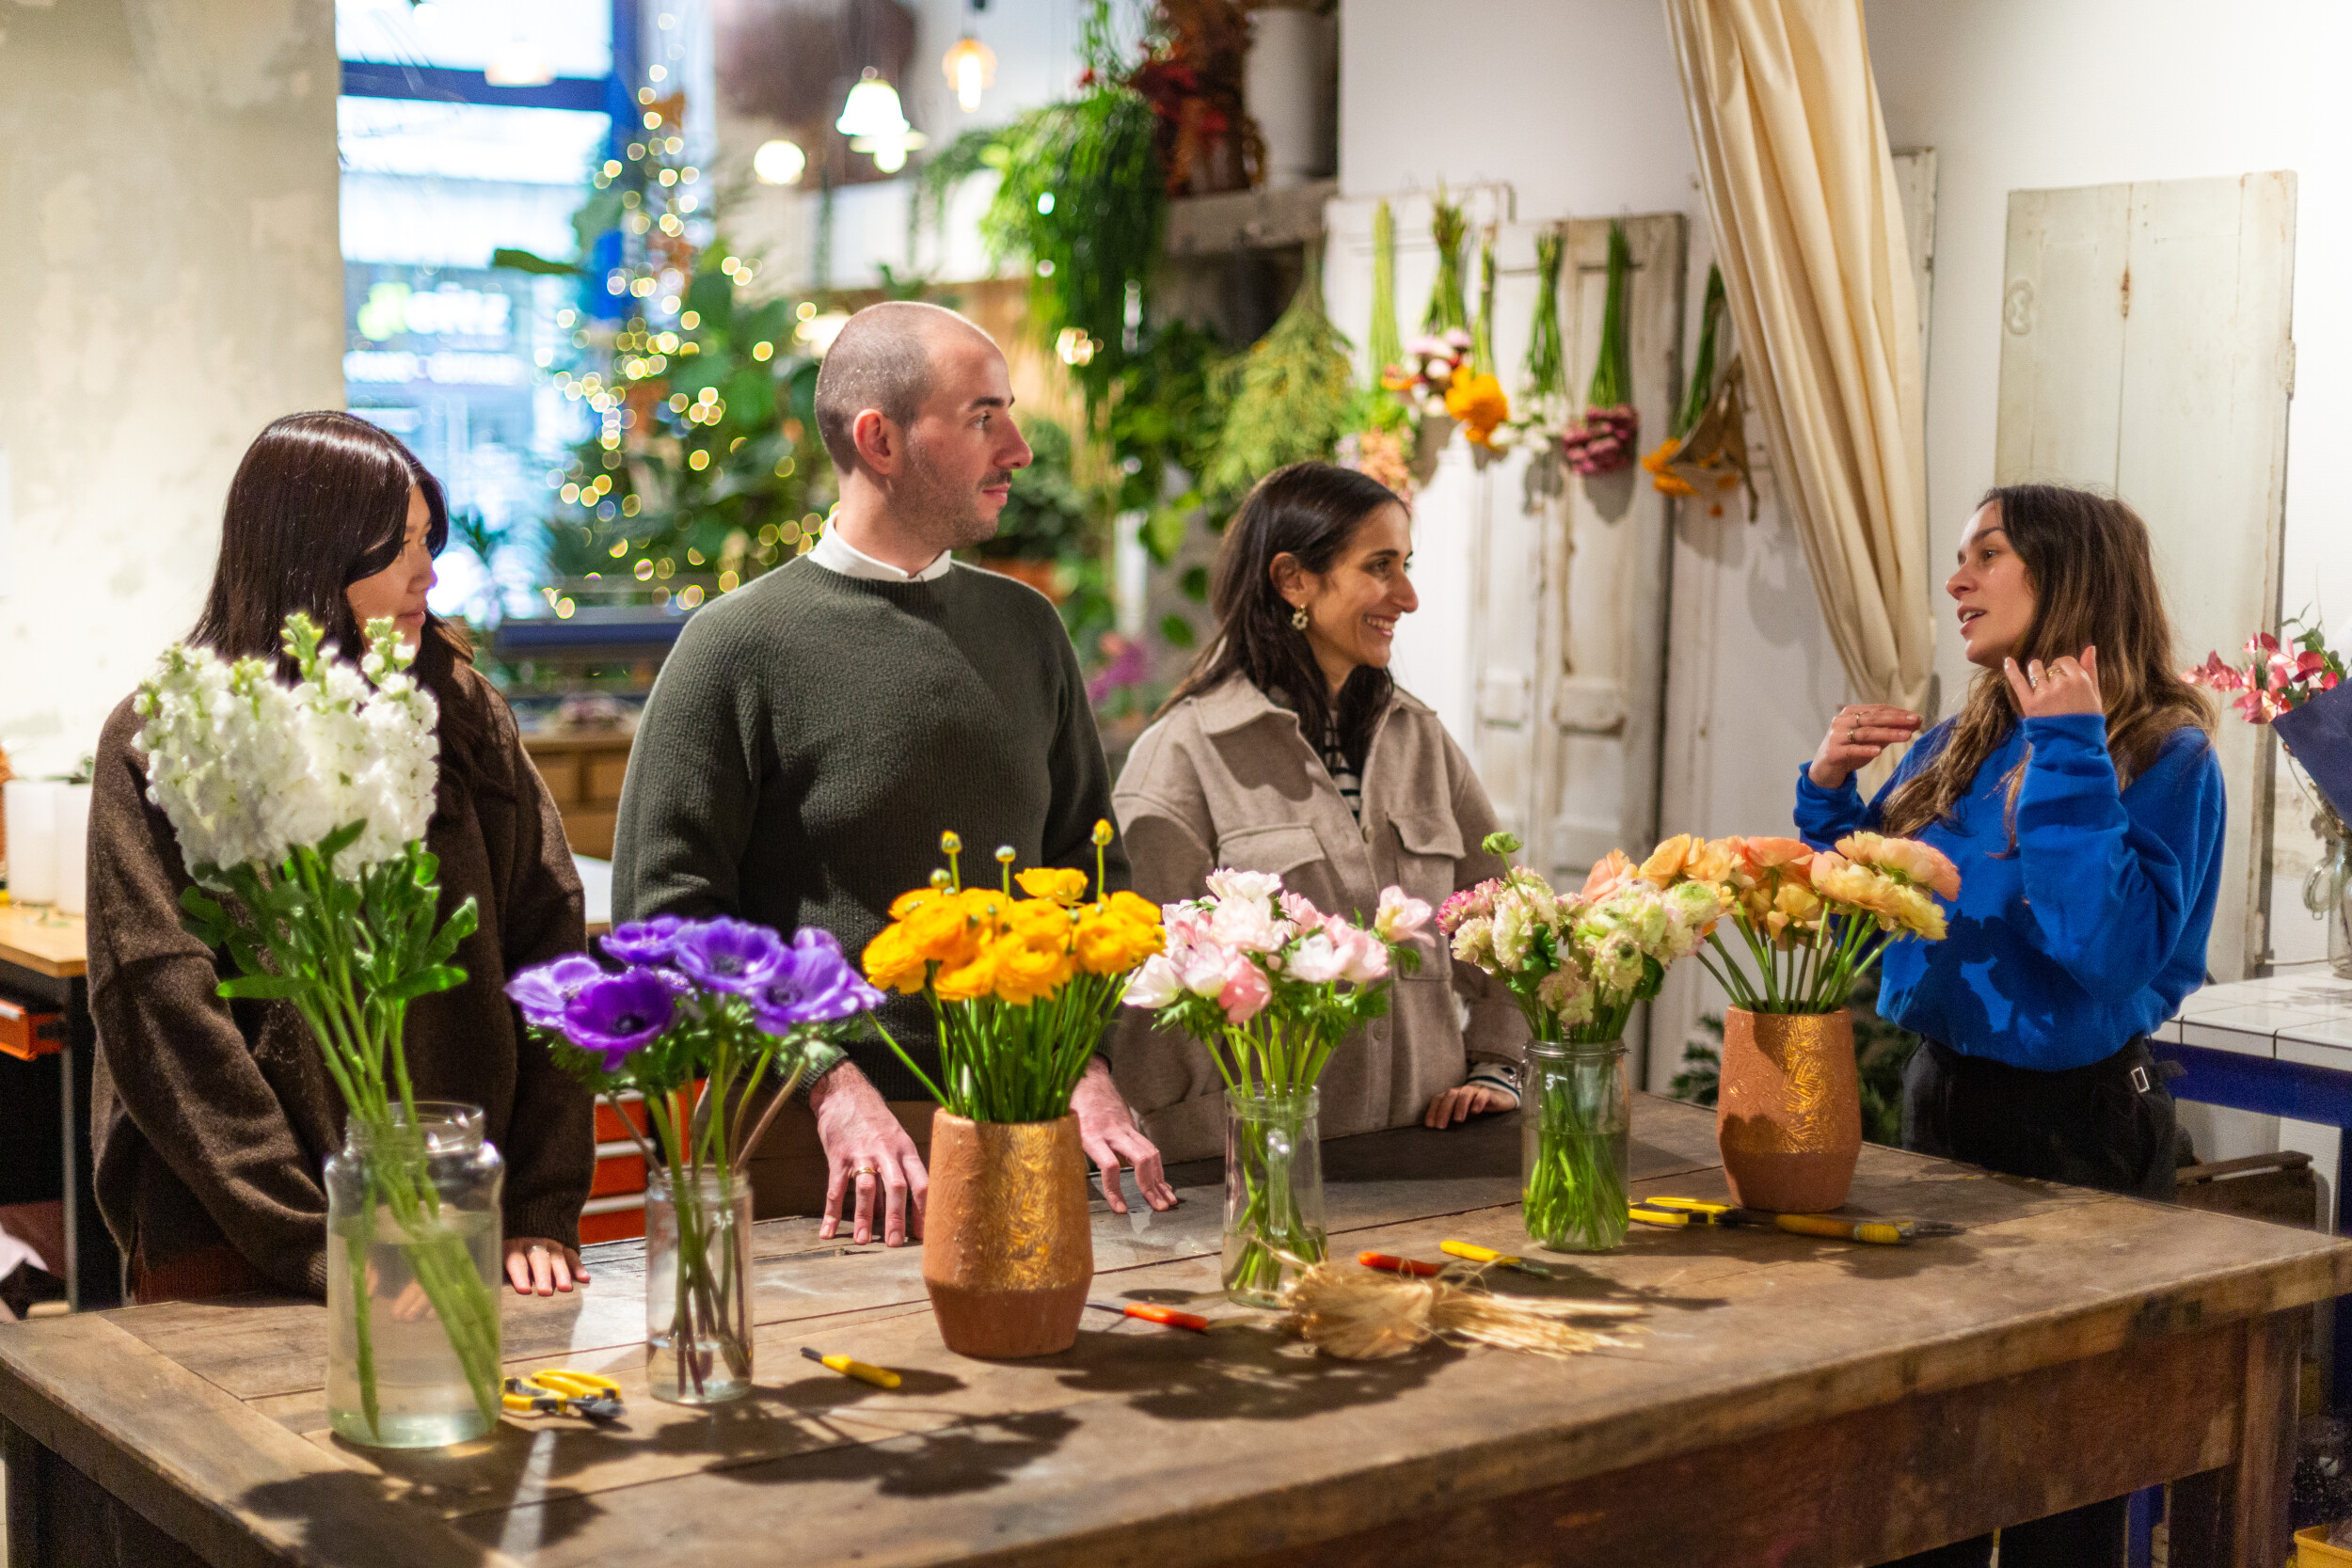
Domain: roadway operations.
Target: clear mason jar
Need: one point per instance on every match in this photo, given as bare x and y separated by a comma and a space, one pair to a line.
413, 1255
1576, 1152
1273, 1192
2327, 893
698, 1287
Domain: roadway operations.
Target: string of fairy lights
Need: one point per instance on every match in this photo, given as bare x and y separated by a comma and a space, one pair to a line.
694, 478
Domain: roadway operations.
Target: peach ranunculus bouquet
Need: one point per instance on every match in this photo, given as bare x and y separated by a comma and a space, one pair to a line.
1813, 922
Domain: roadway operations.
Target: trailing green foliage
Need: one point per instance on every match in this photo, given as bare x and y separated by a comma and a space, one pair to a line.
1083, 201
1295, 390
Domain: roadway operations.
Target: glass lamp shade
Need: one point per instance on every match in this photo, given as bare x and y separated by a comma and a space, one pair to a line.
970, 68
872, 110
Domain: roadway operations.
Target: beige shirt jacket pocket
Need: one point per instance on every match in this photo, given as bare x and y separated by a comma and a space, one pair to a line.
1225, 779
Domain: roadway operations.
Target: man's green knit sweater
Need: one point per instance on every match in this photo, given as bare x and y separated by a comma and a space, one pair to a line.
813, 735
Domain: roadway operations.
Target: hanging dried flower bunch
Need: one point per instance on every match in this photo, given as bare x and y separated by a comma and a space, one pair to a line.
1448, 227
1603, 441
1707, 452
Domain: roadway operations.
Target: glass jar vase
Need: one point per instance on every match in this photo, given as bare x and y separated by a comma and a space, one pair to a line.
698, 1287
413, 1249
1273, 1192
2328, 892
1576, 1158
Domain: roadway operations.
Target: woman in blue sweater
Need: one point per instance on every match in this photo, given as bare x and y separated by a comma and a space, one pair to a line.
2078, 794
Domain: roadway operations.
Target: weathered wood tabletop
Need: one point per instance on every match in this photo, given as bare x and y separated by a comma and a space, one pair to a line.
1790, 1401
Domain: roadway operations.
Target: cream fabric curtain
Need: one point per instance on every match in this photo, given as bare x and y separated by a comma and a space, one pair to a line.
1801, 185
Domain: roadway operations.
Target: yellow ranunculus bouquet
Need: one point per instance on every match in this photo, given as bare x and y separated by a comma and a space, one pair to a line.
1813, 921
1021, 985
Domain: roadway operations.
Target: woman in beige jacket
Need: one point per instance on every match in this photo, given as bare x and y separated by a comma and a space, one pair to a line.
1289, 749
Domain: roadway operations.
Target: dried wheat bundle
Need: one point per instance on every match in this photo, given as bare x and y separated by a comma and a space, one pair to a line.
1360, 1315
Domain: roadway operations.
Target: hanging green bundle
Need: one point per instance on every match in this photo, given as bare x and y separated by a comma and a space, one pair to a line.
1297, 390
1482, 334
1448, 227
1544, 384
1702, 389
1603, 441
1385, 345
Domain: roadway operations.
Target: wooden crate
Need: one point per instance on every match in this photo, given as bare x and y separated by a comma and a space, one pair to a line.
584, 774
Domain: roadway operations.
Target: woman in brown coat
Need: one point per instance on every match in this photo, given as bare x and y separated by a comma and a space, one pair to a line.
1289, 749
212, 1119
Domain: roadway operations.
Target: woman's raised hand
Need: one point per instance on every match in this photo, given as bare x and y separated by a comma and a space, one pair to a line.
2068, 686
1859, 732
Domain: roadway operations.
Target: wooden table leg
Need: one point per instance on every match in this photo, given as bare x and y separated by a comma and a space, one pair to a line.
2236, 1517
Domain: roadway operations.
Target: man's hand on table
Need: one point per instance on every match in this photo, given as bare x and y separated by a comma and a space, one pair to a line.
1111, 1137
867, 1151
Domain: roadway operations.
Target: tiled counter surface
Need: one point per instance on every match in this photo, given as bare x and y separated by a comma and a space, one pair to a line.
2302, 1016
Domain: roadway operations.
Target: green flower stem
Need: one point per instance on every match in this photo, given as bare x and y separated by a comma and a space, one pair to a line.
1574, 1197
1274, 1232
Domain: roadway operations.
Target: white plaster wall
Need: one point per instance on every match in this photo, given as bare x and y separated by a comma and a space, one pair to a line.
170, 169
1578, 106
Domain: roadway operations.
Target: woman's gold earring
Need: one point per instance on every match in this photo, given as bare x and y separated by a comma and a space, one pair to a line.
1299, 618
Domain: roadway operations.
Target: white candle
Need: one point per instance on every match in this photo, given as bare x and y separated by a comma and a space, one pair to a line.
71, 808
31, 805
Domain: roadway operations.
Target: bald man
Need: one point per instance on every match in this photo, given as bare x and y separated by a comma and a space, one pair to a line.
814, 733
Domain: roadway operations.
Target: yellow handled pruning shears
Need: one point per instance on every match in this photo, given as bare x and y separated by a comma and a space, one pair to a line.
1693, 1211
562, 1391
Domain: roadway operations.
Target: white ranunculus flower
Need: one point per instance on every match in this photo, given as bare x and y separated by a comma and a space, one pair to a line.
247, 769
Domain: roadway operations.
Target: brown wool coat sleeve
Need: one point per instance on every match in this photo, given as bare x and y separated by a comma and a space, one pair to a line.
551, 1138
193, 1139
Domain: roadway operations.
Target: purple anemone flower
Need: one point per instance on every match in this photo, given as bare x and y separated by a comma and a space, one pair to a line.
727, 954
619, 1014
812, 984
543, 989
644, 942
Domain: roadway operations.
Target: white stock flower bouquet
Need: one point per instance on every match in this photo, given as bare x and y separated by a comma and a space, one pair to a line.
300, 811
1577, 964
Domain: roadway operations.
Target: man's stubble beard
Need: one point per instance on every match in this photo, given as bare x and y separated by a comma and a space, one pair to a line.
945, 514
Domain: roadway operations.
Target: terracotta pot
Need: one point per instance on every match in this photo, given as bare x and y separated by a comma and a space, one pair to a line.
1007, 1248
1789, 1114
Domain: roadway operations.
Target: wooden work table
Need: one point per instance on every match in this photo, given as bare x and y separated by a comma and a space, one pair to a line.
1790, 1401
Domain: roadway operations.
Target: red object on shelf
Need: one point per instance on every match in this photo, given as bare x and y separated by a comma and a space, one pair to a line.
26, 1035
618, 1173
618, 1224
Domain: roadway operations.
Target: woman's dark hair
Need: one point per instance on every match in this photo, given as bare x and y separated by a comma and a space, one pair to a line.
320, 501
1310, 510
2095, 584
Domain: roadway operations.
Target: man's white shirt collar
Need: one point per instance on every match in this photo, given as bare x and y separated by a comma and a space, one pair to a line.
836, 554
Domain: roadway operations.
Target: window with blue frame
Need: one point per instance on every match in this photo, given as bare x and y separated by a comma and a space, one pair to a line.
466, 128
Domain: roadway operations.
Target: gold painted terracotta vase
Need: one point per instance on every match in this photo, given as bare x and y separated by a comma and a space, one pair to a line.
1789, 1111
1007, 1248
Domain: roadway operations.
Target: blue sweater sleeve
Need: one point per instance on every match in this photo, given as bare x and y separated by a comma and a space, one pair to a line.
2112, 877
1826, 816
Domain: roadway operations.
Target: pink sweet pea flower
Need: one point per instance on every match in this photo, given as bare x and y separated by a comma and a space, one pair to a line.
1155, 985
1245, 992
1246, 923
1400, 916
1363, 957
1202, 969
1318, 961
